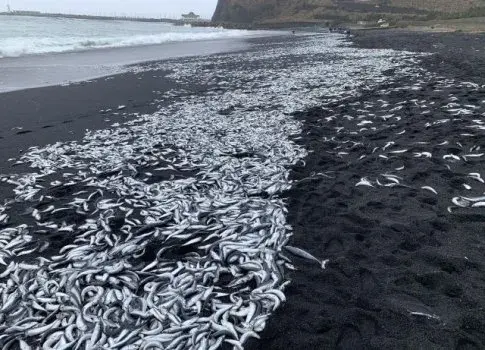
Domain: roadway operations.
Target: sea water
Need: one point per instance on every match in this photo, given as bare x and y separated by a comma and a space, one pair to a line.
25, 35
41, 51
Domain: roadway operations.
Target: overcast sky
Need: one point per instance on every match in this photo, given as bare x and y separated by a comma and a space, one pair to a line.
152, 8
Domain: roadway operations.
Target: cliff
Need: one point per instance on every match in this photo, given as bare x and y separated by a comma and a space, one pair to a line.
274, 11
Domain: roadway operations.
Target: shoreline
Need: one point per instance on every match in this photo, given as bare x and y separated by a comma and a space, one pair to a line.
54, 69
379, 132
178, 151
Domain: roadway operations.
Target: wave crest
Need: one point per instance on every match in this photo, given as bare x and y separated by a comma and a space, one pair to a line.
21, 46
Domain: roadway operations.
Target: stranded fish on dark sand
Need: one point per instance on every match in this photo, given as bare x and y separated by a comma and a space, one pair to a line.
167, 231
303, 254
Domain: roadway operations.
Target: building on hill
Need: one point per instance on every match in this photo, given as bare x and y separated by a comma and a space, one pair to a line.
190, 17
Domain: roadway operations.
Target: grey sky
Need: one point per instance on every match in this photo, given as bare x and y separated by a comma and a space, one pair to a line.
155, 8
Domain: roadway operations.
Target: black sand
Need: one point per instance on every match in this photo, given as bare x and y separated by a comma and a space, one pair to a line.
40, 116
62, 113
392, 251
456, 55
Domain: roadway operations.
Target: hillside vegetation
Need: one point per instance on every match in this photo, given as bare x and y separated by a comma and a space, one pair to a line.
267, 11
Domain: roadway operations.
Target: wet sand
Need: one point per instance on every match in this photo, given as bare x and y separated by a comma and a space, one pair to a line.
34, 71
36, 117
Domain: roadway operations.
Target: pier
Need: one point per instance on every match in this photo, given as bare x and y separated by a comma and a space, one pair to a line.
106, 18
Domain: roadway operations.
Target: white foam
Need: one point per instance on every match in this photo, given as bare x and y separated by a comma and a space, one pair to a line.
21, 36
16, 47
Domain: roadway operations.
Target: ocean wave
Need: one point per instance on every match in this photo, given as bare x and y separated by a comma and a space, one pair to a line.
22, 46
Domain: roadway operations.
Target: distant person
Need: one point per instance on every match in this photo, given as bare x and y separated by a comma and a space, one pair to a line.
293, 32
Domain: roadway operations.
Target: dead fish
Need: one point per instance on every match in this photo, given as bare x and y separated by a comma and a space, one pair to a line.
429, 188
364, 182
149, 272
477, 177
303, 254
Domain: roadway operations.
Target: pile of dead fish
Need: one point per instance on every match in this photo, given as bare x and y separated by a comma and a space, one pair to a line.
167, 231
